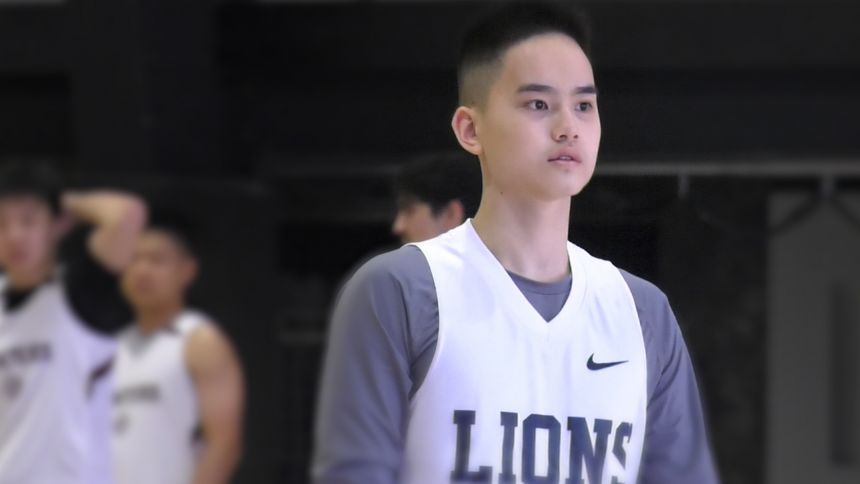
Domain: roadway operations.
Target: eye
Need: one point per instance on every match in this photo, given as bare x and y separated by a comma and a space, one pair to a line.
584, 106
537, 105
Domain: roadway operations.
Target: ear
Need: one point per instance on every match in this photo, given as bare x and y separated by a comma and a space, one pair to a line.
453, 214
190, 271
465, 129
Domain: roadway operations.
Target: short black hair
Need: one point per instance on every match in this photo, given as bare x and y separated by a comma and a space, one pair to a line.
487, 41
439, 178
31, 178
176, 225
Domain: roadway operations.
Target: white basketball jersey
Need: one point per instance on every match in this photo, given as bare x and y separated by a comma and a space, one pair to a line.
156, 420
512, 398
54, 408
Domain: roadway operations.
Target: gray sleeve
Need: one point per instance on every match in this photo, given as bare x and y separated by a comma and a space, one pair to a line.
677, 450
385, 319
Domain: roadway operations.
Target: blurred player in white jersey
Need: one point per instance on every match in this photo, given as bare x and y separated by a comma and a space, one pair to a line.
57, 316
179, 393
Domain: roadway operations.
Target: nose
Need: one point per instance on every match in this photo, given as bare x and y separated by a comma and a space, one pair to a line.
565, 129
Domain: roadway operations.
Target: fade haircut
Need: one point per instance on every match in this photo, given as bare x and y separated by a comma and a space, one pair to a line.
486, 43
178, 227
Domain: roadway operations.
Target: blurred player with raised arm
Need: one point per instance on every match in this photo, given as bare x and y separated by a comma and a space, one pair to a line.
58, 315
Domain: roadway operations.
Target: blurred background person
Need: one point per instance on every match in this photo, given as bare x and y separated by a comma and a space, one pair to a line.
179, 395
55, 324
434, 194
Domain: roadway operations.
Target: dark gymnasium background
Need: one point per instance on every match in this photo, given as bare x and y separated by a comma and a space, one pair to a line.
728, 175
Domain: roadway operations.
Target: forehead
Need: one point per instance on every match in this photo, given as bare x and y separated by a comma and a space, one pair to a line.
158, 240
552, 59
23, 203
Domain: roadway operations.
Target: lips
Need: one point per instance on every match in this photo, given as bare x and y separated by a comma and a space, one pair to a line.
564, 157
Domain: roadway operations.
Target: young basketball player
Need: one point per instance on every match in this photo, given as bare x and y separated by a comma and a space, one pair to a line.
178, 384
434, 194
55, 323
499, 352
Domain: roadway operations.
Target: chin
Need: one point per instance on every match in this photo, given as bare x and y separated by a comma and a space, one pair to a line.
571, 189
578, 190
577, 186
22, 270
144, 302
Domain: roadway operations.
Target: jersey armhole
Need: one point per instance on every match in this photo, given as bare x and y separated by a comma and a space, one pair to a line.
202, 321
646, 324
440, 334
631, 299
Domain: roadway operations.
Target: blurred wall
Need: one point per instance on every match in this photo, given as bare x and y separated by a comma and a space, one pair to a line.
813, 397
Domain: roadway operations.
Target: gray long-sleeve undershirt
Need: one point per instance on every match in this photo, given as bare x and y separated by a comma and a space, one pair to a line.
382, 340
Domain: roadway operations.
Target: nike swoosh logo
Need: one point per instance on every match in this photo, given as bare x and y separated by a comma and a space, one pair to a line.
600, 366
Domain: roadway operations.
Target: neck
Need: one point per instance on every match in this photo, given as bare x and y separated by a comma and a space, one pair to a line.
528, 238
153, 318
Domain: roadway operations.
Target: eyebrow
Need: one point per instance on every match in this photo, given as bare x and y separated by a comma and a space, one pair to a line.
543, 88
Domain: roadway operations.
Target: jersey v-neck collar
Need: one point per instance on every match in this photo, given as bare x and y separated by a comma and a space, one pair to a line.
13, 300
514, 299
544, 288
